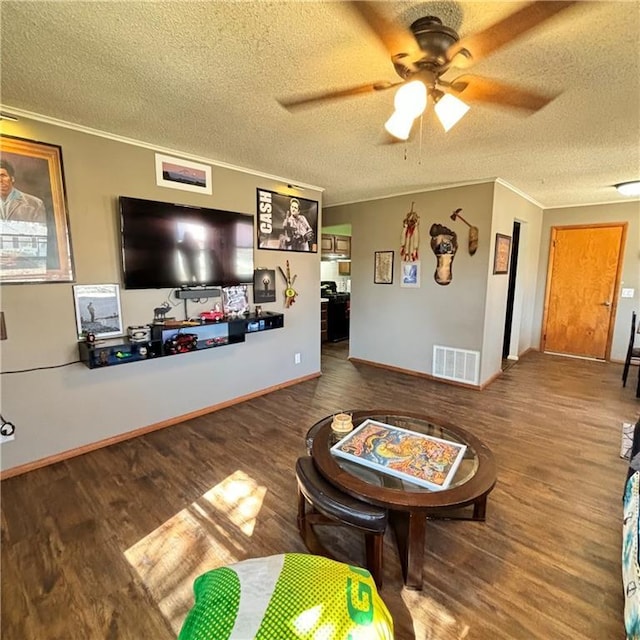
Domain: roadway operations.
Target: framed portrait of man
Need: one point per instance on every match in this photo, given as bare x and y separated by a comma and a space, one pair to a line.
286, 223
35, 245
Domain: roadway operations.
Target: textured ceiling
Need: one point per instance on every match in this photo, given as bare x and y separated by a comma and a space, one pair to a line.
202, 78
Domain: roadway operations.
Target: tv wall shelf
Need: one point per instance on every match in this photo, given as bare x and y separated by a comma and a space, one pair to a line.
177, 339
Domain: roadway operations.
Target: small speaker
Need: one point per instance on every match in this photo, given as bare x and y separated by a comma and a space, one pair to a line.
192, 294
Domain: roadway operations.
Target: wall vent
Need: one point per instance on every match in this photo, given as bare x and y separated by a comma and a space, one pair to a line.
460, 365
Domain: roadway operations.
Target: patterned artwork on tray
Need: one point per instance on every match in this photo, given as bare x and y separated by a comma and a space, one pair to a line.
424, 460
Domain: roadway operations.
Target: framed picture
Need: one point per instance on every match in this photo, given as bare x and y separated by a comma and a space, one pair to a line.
286, 223
34, 224
235, 300
410, 275
264, 285
414, 457
98, 310
383, 267
176, 173
502, 252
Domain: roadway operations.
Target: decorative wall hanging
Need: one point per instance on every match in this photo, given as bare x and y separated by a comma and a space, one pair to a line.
501, 256
444, 244
98, 310
176, 173
286, 223
473, 231
410, 236
34, 223
410, 274
289, 293
264, 285
383, 267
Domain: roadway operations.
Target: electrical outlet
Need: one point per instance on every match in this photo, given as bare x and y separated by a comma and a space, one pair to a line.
296, 358
627, 293
4, 439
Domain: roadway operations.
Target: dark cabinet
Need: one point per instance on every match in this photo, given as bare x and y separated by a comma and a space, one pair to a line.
324, 336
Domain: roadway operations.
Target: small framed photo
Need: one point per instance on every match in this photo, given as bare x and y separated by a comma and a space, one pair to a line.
264, 285
383, 267
235, 300
286, 223
410, 274
35, 244
502, 254
98, 310
176, 173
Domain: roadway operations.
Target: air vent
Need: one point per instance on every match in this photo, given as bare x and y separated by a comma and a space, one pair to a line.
460, 365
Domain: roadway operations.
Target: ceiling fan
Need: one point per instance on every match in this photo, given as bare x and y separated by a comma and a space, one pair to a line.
422, 54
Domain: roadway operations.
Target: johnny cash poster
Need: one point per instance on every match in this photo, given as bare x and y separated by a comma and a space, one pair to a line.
287, 223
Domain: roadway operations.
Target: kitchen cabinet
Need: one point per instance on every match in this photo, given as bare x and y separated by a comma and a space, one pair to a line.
335, 247
326, 243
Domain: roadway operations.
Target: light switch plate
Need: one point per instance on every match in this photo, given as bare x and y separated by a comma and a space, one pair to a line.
627, 293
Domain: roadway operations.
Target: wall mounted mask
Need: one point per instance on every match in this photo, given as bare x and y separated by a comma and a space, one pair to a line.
444, 244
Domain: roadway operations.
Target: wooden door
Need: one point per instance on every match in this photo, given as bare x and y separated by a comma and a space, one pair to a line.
582, 281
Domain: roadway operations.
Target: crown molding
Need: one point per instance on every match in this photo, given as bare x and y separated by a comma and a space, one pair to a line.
20, 113
441, 187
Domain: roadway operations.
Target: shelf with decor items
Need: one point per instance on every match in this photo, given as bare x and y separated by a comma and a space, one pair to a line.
168, 339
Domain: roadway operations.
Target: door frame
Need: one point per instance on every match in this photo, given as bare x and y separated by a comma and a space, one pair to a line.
616, 286
511, 291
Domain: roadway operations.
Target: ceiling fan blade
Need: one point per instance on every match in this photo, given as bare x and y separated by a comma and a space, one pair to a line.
312, 99
477, 89
481, 44
398, 40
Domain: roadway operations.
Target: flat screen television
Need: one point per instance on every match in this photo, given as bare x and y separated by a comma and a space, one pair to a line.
167, 245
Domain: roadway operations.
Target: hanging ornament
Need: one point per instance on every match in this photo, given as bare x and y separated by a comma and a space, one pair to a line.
289, 293
410, 236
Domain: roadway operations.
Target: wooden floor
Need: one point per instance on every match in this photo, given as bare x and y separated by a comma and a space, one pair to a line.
107, 545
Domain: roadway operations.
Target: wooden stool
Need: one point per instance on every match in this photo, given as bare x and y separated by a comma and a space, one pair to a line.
331, 506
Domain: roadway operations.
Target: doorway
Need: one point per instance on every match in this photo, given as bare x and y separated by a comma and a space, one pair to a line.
511, 293
583, 277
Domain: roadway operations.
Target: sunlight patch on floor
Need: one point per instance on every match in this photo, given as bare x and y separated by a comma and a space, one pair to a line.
211, 532
438, 623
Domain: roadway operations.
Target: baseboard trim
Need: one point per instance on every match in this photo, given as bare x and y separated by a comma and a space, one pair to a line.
129, 435
419, 374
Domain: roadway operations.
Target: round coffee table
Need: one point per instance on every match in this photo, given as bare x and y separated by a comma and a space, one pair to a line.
410, 504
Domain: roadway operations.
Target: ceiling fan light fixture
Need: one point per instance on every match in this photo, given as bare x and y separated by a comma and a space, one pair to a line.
449, 110
411, 99
399, 125
631, 188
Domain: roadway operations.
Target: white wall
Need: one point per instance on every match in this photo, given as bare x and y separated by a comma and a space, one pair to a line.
59, 409
509, 206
